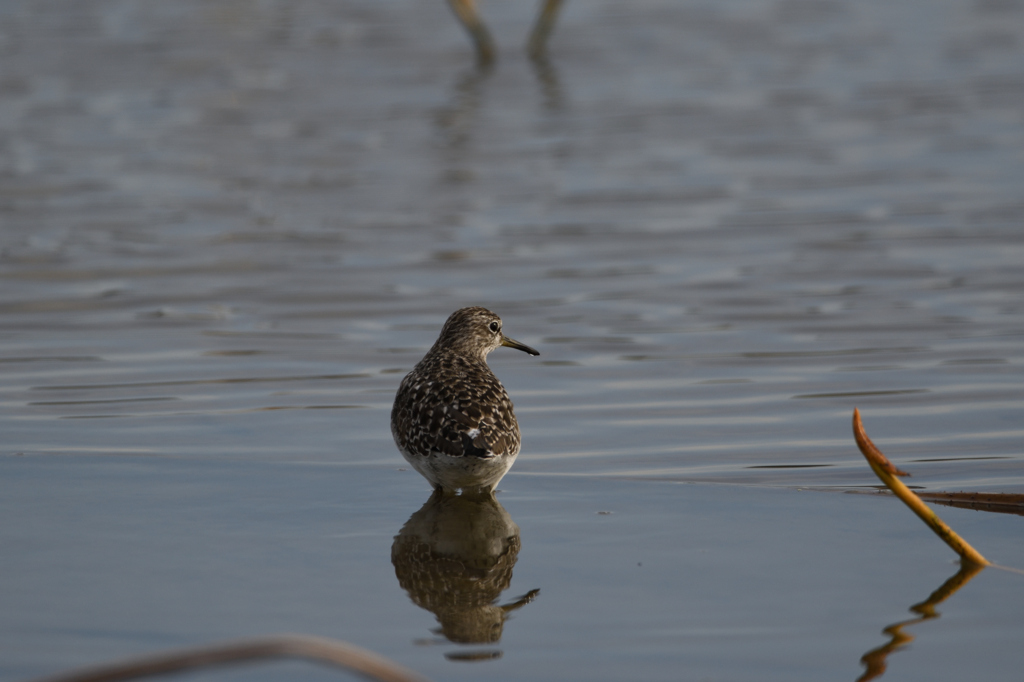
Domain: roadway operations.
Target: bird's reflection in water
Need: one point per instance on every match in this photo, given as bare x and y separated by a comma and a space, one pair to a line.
455, 557
876, 660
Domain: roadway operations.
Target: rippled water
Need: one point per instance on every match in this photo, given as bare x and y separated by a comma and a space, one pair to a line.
228, 228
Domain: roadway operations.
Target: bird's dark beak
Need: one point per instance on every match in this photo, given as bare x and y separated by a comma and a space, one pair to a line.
512, 343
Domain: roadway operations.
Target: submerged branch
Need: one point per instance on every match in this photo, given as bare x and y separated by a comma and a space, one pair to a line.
1002, 503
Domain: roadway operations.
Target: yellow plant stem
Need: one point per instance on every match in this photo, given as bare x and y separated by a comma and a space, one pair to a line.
888, 473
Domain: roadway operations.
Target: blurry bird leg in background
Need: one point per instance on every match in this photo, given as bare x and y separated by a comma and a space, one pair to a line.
466, 12
536, 47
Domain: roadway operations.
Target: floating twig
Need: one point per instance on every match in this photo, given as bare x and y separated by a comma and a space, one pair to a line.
1001, 503
885, 470
331, 651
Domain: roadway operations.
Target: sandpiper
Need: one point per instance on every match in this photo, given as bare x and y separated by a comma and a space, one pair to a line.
452, 419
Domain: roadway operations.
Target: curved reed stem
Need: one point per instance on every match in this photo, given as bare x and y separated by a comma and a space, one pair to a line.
885, 470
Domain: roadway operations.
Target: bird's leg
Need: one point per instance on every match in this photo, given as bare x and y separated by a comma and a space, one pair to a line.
537, 45
465, 11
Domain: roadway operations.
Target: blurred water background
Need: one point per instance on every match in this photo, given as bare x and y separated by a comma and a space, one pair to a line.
227, 228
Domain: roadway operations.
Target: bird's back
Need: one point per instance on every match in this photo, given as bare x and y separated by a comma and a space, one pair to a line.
454, 405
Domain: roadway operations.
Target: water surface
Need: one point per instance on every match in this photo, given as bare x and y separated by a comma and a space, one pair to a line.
229, 228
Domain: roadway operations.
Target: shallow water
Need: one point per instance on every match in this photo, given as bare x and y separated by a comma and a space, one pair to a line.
228, 228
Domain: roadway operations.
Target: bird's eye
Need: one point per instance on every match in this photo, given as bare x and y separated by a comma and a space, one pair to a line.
495, 327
